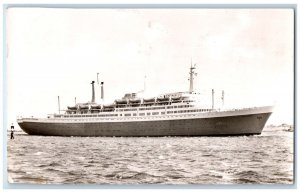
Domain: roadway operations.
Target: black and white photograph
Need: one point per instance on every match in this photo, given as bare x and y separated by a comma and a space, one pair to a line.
148, 96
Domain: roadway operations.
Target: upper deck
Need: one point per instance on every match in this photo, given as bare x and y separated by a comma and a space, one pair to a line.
142, 109
130, 102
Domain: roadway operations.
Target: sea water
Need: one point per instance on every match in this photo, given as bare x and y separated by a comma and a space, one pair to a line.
258, 159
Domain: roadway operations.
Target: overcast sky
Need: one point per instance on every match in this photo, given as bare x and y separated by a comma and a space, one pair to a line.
58, 52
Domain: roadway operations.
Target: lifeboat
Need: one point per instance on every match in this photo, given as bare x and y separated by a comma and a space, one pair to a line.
162, 99
150, 100
95, 106
185, 98
121, 101
83, 106
72, 108
109, 106
135, 100
176, 99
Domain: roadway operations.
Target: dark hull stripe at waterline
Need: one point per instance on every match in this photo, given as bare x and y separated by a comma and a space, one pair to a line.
216, 126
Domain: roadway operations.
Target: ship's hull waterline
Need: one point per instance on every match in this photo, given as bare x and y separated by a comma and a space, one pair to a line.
250, 124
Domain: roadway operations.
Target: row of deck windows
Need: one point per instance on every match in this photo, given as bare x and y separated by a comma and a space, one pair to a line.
180, 106
140, 114
99, 115
153, 108
127, 109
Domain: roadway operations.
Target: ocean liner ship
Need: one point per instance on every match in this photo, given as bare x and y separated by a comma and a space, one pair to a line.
171, 114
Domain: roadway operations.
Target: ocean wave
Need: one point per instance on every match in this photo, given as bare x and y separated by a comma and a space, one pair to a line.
263, 159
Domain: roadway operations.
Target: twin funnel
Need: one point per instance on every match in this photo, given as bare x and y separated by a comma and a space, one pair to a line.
93, 91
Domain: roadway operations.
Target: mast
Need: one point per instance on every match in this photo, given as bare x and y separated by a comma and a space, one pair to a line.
191, 79
212, 98
223, 97
58, 105
145, 83
98, 83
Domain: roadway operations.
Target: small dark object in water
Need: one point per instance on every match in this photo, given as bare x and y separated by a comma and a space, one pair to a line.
12, 135
12, 132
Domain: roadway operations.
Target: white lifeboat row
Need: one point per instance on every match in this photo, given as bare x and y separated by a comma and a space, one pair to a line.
128, 102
